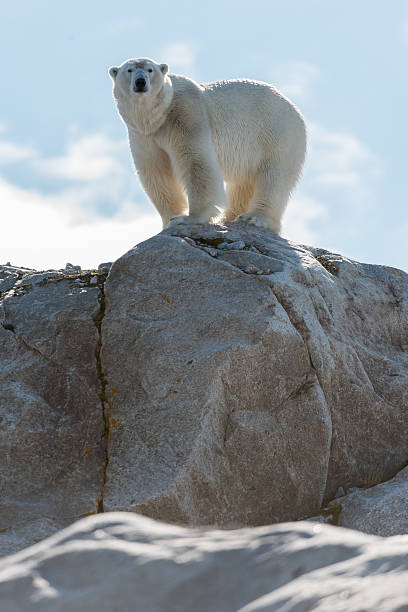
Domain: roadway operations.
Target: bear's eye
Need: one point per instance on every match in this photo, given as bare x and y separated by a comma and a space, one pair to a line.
150, 70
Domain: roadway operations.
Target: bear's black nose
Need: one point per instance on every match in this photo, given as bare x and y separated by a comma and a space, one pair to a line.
140, 83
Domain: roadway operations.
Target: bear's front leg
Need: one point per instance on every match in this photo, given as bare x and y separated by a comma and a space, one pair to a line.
164, 191
158, 179
200, 175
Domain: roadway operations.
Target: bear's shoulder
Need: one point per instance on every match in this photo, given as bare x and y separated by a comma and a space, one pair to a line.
182, 84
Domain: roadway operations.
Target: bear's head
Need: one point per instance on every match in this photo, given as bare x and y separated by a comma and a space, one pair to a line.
138, 78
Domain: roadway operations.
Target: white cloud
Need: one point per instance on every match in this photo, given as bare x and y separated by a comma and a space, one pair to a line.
339, 183
181, 58
90, 158
44, 236
11, 152
296, 78
340, 160
93, 178
90, 217
298, 222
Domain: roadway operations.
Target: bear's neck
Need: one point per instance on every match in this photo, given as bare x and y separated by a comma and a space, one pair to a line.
145, 114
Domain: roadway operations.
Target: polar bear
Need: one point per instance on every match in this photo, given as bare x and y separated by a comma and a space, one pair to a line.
187, 139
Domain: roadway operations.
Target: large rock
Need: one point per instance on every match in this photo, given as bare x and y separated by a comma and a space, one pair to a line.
248, 378
130, 563
380, 510
233, 379
52, 426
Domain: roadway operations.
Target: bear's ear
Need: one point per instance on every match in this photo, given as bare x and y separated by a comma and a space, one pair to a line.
164, 68
113, 72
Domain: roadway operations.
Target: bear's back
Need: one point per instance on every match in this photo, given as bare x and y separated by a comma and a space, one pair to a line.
246, 97
246, 118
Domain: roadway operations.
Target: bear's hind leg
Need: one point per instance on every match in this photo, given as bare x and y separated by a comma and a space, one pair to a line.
239, 196
271, 194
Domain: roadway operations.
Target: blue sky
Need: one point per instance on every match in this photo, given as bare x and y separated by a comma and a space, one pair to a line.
67, 186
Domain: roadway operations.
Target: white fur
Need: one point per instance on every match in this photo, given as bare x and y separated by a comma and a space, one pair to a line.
187, 138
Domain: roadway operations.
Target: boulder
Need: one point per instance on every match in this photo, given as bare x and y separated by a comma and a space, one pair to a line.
220, 376
122, 561
248, 378
52, 426
380, 510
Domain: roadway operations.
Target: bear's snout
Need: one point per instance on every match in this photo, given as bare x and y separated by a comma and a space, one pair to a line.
140, 84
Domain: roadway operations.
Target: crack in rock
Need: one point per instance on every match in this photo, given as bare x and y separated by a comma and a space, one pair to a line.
105, 404
8, 327
298, 325
89, 279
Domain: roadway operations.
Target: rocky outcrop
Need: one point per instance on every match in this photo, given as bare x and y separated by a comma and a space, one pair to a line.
122, 561
249, 378
52, 427
220, 376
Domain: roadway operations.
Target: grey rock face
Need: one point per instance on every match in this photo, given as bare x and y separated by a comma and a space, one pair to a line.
121, 561
232, 379
380, 510
52, 426
242, 398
